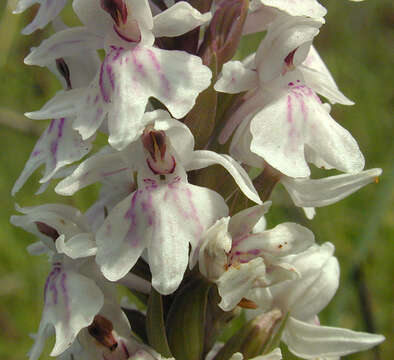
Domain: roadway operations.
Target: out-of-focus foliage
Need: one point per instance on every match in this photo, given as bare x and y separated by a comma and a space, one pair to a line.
356, 44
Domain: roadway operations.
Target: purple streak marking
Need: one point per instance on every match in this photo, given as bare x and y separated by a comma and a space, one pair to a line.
65, 295
109, 173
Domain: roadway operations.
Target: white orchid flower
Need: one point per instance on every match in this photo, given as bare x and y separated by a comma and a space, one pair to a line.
74, 289
60, 144
304, 298
133, 69
149, 217
240, 256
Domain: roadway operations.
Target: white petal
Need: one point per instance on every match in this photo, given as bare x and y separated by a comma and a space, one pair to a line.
307, 296
236, 282
94, 169
68, 42
79, 246
57, 147
128, 78
249, 106
307, 341
243, 222
236, 78
61, 105
284, 239
93, 16
178, 19
309, 8
123, 236
294, 119
204, 158
182, 214
258, 19
47, 12
140, 10
71, 302
319, 78
327, 191
216, 244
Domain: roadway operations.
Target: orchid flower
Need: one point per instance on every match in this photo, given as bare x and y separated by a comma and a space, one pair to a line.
283, 116
304, 298
147, 218
133, 69
73, 292
240, 256
48, 11
60, 144
263, 12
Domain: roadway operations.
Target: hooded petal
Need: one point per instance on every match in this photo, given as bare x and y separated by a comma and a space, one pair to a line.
285, 37
79, 246
57, 147
329, 190
93, 16
309, 341
68, 42
203, 158
236, 78
178, 19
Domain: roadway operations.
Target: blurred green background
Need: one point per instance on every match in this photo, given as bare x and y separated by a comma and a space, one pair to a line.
357, 45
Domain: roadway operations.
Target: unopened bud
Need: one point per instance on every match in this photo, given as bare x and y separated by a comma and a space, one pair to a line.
252, 339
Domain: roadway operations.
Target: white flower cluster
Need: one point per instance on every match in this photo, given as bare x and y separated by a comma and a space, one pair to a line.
151, 210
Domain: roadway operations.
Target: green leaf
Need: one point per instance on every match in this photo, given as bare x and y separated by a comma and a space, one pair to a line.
186, 321
155, 327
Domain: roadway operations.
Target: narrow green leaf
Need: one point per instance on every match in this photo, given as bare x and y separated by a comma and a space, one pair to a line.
155, 327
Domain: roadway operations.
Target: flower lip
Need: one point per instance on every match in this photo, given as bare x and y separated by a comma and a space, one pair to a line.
117, 9
101, 329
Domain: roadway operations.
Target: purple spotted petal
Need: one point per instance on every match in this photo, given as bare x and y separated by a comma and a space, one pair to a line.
57, 147
71, 301
128, 78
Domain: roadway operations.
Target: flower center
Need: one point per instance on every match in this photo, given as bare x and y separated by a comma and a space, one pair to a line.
159, 160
